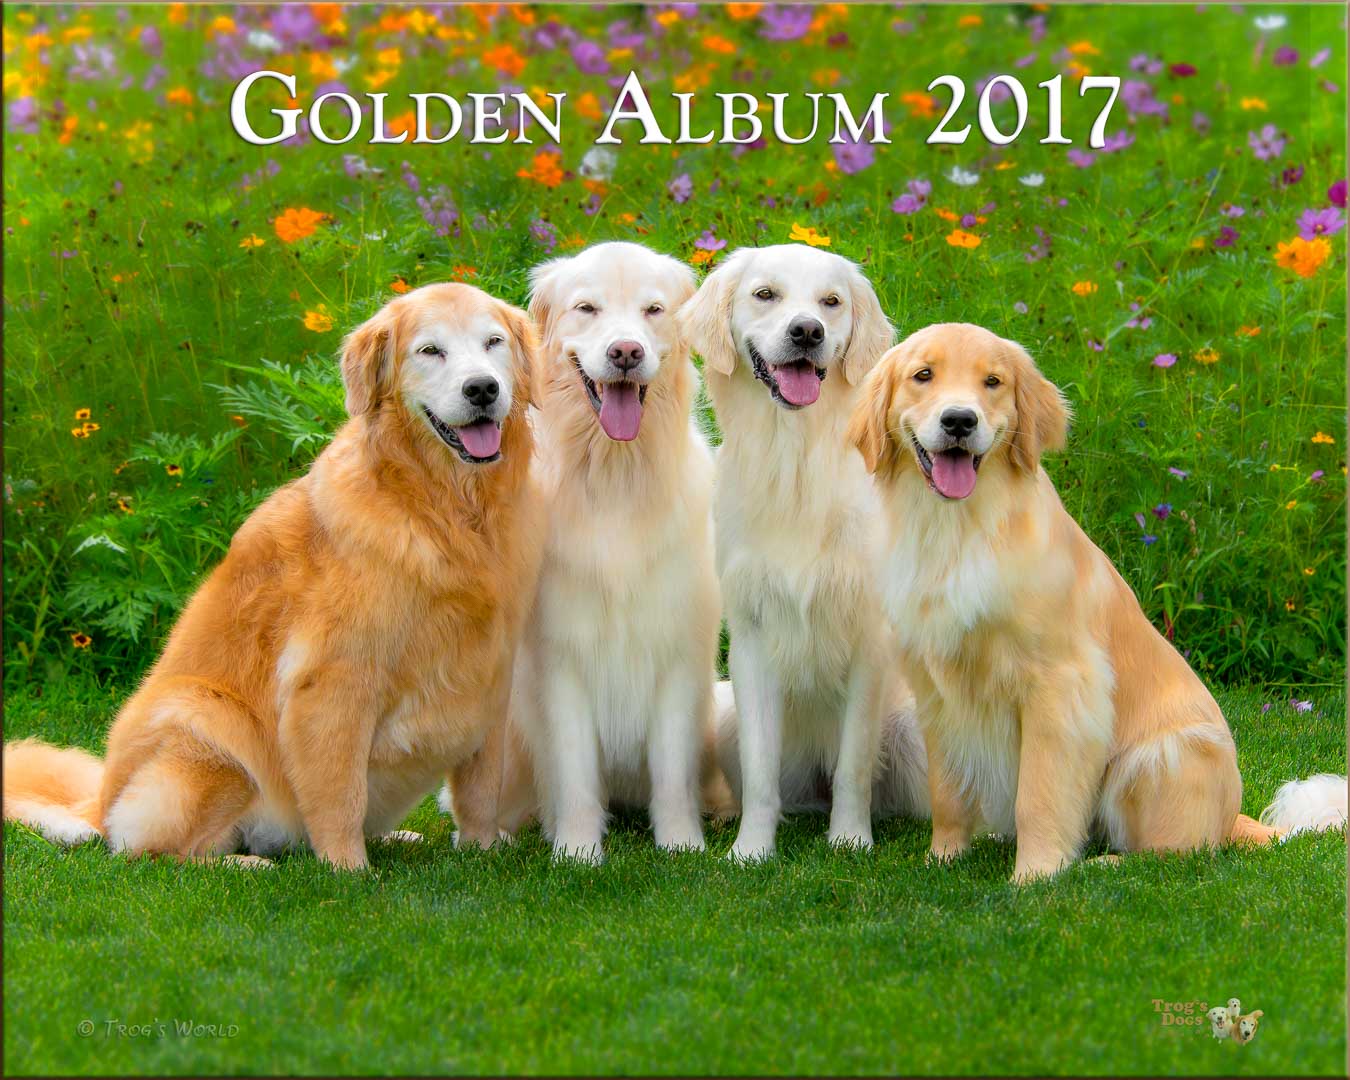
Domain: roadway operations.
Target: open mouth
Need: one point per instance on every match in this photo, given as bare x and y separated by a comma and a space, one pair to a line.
618, 405
951, 472
479, 443
794, 385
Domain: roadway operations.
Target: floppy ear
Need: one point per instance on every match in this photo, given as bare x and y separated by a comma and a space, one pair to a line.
869, 427
1042, 413
544, 280
871, 335
706, 319
524, 346
366, 362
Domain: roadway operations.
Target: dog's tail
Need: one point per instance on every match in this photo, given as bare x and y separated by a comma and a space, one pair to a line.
1312, 805
53, 790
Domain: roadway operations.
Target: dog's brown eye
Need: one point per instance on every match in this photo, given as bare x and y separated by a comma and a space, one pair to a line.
763, 294
430, 350
993, 380
587, 307
493, 341
831, 301
654, 309
923, 374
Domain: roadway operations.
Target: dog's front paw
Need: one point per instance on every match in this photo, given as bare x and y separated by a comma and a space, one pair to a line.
751, 849
1036, 870
483, 838
249, 862
686, 836
401, 836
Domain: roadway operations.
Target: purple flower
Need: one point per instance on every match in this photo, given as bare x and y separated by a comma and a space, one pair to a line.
1320, 57
853, 157
1267, 143
410, 178
1316, 476
1226, 238
23, 115
1201, 123
439, 210
785, 22
1139, 99
1162, 511
681, 188
907, 204
1182, 71
1081, 158
150, 42
1291, 175
1284, 56
1118, 141
1180, 474
294, 24
1267, 707
1145, 63
1149, 539
1164, 359
1095, 345
709, 242
1302, 706
545, 235
1229, 210
1020, 308
1336, 194
1139, 321
589, 58
1313, 223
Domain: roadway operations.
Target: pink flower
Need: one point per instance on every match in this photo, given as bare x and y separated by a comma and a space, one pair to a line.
1164, 360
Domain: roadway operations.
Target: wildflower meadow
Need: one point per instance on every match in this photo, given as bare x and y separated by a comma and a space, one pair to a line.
174, 298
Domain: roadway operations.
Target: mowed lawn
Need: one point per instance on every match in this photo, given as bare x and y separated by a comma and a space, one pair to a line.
438, 961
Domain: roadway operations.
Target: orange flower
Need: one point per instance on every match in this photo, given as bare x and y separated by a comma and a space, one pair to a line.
962, 239
296, 223
463, 272
403, 123
252, 240
81, 641
945, 214
546, 169
399, 285
1084, 48
505, 59
318, 321
1250, 103
179, 95
698, 258
174, 470
715, 43
1084, 288
743, 11
1302, 256
969, 21
920, 104
588, 107
1248, 331
125, 506
1207, 356
1323, 437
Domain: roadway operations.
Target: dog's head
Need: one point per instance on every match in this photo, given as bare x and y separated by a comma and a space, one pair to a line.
608, 314
454, 359
1248, 1024
1234, 1007
1218, 1016
951, 397
788, 316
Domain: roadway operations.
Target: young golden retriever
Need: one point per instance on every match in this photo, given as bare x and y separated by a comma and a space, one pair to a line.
357, 640
613, 693
1048, 700
787, 333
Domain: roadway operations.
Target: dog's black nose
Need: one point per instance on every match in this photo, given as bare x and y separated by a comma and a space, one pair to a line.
625, 355
806, 332
958, 423
481, 391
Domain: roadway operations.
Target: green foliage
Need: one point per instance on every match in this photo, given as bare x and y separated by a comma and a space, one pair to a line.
134, 287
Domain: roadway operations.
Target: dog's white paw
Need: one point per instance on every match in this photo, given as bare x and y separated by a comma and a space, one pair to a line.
687, 837
402, 836
751, 850
249, 862
851, 838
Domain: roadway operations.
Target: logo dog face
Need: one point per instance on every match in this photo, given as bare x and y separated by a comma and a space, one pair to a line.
948, 398
608, 313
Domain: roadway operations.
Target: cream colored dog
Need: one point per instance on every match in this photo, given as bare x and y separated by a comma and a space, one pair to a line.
786, 334
1047, 698
357, 639
614, 686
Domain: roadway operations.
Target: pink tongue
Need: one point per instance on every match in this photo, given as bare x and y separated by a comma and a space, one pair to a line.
954, 474
798, 383
482, 439
620, 410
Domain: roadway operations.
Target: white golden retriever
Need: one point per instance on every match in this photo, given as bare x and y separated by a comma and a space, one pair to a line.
613, 689
786, 334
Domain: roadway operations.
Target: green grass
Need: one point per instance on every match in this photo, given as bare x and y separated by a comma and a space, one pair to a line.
820, 962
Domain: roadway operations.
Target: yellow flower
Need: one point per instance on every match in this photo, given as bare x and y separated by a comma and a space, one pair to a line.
1084, 48
125, 506
1309, 571
1291, 504
1302, 256
1207, 356
808, 236
1323, 437
317, 321
79, 433
1250, 103
81, 641
962, 239
89, 427
174, 470
252, 240
966, 21
1084, 288
1288, 605
82, 414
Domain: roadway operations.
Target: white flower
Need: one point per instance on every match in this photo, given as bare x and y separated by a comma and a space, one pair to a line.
1268, 23
376, 237
961, 178
343, 64
261, 39
1034, 179
598, 163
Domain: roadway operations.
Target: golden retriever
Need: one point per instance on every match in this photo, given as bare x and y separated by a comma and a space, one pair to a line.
1048, 700
357, 640
786, 334
614, 682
